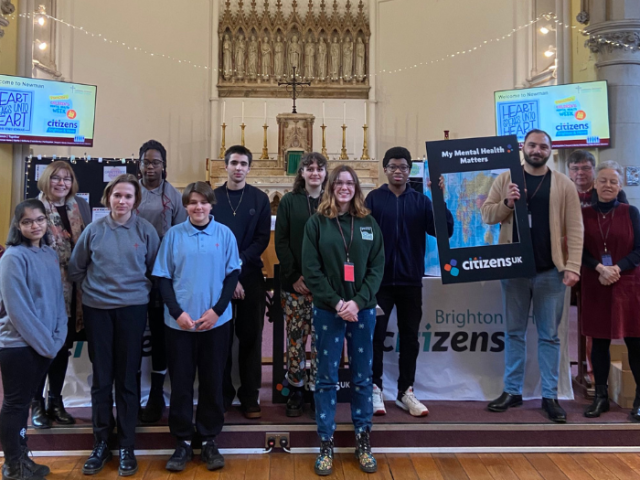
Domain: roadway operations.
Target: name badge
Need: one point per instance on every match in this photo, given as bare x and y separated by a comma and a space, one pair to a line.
607, 260
349, 272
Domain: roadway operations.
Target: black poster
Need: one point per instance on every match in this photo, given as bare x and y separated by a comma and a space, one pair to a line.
489, 157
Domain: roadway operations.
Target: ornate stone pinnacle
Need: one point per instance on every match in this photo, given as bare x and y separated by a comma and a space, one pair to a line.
294, 5
335, 5
279, 5
322, 6
253, 5
310, 5
348, 5
361, 6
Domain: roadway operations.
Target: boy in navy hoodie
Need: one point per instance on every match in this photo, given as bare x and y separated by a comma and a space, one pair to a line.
404, 216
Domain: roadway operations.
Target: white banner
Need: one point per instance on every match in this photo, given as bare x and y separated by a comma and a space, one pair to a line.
462, 346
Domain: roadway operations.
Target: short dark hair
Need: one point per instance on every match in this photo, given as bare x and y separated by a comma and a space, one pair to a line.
153, 145
202, 188
396, 152
15, 236
240, 150
307, 160
579, 156
537, 130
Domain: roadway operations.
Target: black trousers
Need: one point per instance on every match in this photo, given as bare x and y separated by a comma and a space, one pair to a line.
22, 370
206, 353
57, 372
115, 345
155, 313
248, 322
408, 301
601, 359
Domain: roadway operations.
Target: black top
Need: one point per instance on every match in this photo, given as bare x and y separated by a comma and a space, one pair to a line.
538, 203
64, 216
632, 260
251, 224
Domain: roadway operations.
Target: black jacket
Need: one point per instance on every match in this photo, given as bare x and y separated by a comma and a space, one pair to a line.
404, 220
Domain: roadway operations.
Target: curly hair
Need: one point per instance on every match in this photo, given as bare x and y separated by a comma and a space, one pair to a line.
307, 160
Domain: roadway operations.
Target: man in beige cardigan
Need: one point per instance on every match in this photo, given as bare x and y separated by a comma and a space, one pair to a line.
555, 225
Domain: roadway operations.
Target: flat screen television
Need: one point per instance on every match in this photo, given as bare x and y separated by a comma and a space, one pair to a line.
575, 115
44, 112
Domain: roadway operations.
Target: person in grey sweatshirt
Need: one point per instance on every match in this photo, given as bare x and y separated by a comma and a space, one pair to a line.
112, 262
33, 328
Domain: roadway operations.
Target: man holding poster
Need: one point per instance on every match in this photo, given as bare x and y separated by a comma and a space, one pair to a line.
555, 224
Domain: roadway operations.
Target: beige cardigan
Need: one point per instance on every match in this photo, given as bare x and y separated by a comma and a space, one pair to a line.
565, 218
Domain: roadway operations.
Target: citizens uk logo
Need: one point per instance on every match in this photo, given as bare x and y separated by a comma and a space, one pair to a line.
451, 267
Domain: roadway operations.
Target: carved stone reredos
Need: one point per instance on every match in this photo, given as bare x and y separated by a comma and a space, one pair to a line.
311, 21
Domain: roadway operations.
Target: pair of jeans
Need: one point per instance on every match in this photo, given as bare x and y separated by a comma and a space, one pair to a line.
22, 370
204, 353
298, 316
330, 334
547, 293
115, 347
408, 302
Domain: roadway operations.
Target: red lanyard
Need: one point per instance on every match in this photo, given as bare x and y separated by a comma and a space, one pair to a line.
604, 237
346, 248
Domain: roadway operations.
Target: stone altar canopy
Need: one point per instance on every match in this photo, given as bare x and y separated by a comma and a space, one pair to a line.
295, 132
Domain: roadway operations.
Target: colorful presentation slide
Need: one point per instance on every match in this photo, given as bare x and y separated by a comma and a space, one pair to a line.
575, 115
45, 112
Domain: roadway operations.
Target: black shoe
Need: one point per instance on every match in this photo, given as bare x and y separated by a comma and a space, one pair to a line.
154, 409
635, 411
364, 456
600, 402
98, 458
38, 470
251, 411
554, 410
18, 471
179, 459
211, 455
39, 418
505, 401
128, 464
56, 411
295, 402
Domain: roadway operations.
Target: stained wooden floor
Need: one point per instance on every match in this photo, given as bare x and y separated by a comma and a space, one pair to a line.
281, 466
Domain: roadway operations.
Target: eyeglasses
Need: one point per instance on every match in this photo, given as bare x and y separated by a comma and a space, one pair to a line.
65, 180
402, 168
340, 184
154, 163
587, 168
27, 222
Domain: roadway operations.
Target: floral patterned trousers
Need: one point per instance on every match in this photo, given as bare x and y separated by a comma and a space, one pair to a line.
298, 316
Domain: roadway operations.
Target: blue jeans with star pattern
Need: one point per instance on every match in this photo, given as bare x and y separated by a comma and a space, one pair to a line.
330, 334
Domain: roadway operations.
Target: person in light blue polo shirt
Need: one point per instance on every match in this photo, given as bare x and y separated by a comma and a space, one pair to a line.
197, 269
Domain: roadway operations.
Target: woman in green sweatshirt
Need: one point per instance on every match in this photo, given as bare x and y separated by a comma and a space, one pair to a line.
295, 208
343, 266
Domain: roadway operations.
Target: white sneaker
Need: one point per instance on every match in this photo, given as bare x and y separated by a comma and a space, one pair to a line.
378, 402
411, 404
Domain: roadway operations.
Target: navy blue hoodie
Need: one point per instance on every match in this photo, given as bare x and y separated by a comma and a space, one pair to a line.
404, 221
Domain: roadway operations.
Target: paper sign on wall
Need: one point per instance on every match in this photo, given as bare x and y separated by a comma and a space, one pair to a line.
99, 213
109, 173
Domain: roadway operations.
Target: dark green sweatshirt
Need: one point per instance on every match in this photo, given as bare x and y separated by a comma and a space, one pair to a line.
293, 213
324, 256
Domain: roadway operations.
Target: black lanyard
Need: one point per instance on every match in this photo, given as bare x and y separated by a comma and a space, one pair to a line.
306, 194
539, 185
346, 249
604, 237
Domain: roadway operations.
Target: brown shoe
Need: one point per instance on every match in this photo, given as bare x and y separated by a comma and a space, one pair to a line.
251, 411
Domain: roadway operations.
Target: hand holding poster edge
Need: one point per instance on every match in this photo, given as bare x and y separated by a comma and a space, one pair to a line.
480, 263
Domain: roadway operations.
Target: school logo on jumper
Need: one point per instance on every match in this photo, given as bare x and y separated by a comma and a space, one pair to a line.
367, 233
451, 268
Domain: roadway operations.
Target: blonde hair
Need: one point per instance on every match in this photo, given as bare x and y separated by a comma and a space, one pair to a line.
125, 178
44, 182
329, 206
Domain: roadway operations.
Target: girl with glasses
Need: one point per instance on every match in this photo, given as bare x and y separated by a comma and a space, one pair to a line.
343, 266
33, 328
67, 215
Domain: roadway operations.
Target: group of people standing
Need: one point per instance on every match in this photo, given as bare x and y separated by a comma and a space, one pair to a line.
190, 264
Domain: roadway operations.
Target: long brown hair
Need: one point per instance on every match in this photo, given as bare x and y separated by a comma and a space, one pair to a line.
307, 160
329, 206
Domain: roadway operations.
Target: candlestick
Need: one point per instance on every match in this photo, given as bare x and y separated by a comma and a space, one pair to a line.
242, 125
242, 112
265, 149
324, 141
265, 113
222, 147
224, 110
323, 114
365, 150
365, 113
344, 113
343, 153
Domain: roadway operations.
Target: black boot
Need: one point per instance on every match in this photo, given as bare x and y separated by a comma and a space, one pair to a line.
179, 459
128, 464
295, 402
39, 418
96, 461
600, 402
155, 404
38, 470
19, 471
56, 411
